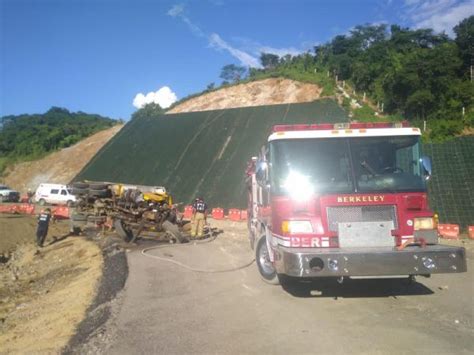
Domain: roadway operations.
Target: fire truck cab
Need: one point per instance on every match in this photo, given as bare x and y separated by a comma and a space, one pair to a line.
344, 200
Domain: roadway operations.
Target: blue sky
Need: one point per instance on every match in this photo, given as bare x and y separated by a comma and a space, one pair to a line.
97, 55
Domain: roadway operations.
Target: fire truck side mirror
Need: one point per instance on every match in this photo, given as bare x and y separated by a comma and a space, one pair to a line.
426, 164
261, 173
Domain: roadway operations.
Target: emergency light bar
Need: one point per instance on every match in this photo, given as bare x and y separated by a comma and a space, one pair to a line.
330, 126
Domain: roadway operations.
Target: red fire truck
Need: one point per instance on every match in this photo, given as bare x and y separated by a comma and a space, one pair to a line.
344, 200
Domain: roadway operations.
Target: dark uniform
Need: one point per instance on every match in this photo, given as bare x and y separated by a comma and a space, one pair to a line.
199, 217
42, 230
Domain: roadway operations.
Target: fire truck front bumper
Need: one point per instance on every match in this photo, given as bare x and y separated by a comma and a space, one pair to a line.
327, 262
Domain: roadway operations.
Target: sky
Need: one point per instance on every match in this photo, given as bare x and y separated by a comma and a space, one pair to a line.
112, 56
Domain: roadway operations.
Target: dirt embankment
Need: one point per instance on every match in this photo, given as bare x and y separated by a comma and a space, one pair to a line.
263, 92
44, 295
59, 167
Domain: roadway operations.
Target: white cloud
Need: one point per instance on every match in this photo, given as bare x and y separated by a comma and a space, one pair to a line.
440, 15
245, 59
214, 40
164, 97
176, 10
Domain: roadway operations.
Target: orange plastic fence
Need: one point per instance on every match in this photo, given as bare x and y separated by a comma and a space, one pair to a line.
217, 213
234, 214
448, 231
24, 208
188, 211
471, 232
61, 212
243, 215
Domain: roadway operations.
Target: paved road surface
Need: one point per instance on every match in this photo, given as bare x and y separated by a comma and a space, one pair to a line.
168, 309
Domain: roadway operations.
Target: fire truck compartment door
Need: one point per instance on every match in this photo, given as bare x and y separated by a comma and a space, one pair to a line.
366, 234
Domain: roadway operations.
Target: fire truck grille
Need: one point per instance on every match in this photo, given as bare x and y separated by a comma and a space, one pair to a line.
361, 214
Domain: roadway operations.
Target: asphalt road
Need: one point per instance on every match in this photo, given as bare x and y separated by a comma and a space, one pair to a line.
168, 309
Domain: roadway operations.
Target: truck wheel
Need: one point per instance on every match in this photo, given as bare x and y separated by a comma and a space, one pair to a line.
173, 230
122, 231
96, 186
99, 193
79, 191
42, 202
80, 185
265, 266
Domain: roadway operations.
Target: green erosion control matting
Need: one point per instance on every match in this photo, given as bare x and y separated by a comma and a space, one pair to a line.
199, 153
452, 185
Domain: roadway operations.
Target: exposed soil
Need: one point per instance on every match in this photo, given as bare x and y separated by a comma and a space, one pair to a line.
263, 92
44, 294
59, 167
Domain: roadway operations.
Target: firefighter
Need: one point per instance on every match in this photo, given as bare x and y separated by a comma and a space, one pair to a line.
43, 224
199, 217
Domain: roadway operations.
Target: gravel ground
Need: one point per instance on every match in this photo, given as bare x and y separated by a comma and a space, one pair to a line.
90, 334
169, 309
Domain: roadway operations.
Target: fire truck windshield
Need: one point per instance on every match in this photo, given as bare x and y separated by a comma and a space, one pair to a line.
301, 167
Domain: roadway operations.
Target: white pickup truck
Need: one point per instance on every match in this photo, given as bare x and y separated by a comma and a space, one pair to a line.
8, 195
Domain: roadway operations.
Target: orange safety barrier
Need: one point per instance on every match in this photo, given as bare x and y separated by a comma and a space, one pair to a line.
61, 212
188, 211
25, 208
243, 215
234, 214
448, 231
217, 213
471, 232
5, 209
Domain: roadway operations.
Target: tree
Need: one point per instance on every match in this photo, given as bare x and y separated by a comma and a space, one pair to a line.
269, 60
232, 73
149, 110
210, 86
465, 42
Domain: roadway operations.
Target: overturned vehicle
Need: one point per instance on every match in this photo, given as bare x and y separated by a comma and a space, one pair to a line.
133, 210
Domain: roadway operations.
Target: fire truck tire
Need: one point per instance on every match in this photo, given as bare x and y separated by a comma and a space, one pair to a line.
265, 267
80, 185
122, 231
173, 230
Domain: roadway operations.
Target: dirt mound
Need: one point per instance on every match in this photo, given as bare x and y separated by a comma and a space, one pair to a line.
59, 167
44, 295
257, 93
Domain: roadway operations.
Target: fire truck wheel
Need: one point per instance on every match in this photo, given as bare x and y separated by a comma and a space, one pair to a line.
265, 266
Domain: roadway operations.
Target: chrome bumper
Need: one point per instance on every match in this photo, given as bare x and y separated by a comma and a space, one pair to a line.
413, 260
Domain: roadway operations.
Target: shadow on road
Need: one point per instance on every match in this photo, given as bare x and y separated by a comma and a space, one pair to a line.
354, 288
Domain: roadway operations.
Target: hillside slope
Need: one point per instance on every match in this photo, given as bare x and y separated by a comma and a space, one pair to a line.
272, 91
199, 152
58, 167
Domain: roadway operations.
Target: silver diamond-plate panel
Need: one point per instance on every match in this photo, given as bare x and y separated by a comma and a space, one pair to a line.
344, 214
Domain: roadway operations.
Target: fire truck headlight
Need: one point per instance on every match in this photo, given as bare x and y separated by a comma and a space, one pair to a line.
296, 227
423, 223
298, 186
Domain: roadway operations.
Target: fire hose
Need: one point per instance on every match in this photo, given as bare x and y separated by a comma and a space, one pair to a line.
235, 268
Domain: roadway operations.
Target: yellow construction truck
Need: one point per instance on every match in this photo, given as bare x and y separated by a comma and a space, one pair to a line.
133, 210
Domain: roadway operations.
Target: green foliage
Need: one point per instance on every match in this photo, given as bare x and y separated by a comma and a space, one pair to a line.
232, 73
417, 74
26, 137
151, 110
